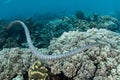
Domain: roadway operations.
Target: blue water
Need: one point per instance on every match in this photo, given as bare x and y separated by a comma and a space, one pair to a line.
11, 8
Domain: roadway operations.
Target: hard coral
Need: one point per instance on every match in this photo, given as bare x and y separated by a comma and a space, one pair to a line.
14, 62
37, 71
100, 62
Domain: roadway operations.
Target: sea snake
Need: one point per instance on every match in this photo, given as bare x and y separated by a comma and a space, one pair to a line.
46, 56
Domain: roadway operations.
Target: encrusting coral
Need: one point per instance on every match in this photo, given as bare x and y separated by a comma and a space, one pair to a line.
49, 57
37, 71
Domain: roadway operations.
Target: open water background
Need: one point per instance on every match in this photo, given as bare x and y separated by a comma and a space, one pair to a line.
11, 8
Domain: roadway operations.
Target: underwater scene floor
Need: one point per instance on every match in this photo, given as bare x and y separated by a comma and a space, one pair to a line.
56, 35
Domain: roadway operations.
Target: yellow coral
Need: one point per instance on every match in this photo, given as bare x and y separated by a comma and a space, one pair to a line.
37, 71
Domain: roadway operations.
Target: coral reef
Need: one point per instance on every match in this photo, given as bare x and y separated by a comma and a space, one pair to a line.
97, 63
14, 62
110, 23
46, 27
37, 71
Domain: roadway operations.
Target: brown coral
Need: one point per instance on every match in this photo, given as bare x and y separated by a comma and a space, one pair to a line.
37, 71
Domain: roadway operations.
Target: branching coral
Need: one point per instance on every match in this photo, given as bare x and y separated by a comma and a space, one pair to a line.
48, 57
